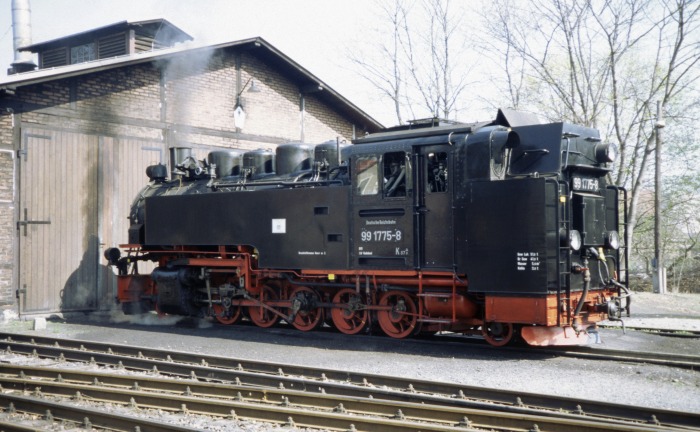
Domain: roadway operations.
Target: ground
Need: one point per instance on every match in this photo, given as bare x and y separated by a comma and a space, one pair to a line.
665, 311
630, 383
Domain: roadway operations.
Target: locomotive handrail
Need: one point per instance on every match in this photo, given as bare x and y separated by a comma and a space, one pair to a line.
567, 215
558, 224
280, 183
623, 246
415, 134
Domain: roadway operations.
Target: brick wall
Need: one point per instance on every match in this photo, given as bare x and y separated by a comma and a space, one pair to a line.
7, 209
322, 124
130, 92
276, 107
181, 101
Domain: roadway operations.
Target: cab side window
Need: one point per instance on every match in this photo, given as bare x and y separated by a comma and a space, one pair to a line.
366, 175
437, 172
396, 171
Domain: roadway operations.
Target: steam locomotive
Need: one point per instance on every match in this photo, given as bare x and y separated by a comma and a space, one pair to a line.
507, 229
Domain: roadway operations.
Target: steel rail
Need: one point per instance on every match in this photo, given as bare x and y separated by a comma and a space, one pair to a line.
684, 361
83, 416
684, 333
383, 401
219, 399
14, 427
268, 374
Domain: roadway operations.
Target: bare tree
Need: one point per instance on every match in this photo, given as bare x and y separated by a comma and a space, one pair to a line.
387, 75
503, 55
600, 63
604, 64
418, 48
433, 70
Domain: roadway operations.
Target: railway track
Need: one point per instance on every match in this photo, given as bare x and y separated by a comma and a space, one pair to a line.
684, 361
309, 396
679, 333
281, 406
37, 412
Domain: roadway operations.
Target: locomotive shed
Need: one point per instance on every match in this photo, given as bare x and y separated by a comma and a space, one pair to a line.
106, 103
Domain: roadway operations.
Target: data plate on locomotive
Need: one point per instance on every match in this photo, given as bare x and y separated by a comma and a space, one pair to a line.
586, 184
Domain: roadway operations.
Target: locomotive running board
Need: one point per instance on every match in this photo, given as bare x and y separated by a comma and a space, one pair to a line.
553, 336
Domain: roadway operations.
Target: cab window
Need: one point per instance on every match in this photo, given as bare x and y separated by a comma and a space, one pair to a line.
436, 174
366, 175
396, 170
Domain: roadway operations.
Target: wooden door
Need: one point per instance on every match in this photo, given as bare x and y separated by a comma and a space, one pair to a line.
57, 221
75, 194
123, 163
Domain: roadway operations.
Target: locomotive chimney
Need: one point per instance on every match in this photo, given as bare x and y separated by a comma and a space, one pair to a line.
22, 36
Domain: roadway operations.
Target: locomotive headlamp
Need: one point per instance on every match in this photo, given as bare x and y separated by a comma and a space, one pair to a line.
612, 240
112, 255
605, 152
575, 240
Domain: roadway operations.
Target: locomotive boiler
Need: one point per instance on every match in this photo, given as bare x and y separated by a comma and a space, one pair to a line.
504, 229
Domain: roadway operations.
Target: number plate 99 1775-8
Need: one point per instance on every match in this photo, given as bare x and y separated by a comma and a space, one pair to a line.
586, 184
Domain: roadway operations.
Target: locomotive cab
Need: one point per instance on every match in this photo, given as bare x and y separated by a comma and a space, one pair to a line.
382, 216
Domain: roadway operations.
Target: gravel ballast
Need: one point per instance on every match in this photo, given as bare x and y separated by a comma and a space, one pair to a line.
635, 384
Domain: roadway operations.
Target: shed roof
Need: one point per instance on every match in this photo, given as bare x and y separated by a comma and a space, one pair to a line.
161, 29
306, 81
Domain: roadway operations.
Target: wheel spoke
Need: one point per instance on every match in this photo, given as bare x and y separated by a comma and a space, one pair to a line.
229, 315
260, 315
347, 318
400, 321
307, 316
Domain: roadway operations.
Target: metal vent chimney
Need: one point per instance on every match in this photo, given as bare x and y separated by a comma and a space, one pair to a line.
22, 36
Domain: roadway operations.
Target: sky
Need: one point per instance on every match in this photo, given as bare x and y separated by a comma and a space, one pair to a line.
317, 34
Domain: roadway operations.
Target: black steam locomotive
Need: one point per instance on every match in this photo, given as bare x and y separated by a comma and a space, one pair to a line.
505, 228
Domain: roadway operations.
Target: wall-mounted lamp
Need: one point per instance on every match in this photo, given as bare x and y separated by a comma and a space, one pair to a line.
253, 88
239, 114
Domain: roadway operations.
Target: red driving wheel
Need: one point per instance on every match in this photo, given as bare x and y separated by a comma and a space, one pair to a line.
400, 321
350, 316
261, 315
304, 302
227, 316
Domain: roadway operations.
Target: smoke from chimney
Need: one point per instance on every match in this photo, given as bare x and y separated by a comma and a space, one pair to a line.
22, 36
